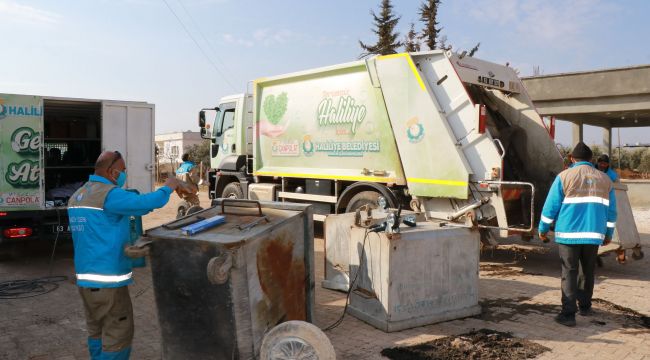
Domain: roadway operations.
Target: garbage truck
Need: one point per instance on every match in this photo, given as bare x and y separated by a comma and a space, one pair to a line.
452, 137
49, 146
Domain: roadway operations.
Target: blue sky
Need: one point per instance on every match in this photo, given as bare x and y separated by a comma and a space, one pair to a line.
137, 50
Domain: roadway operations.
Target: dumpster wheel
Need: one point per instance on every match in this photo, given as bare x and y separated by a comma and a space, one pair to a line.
296, 340
181, 210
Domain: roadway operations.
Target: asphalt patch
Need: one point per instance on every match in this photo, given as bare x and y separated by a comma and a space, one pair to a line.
478, 344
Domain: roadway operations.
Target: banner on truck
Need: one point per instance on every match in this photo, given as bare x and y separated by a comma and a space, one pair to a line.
329, 126
21, 119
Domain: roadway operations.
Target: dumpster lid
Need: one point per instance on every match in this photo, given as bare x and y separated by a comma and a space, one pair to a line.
241, 223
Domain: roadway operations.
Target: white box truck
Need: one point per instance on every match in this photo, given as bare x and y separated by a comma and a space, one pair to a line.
452, 137
49, 146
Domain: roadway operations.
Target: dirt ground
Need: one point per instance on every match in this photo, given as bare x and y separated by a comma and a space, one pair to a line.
519, 296
478, 344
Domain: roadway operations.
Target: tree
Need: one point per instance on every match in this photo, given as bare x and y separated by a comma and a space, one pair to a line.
473, 50
412, 44
200, 152
428, 15
385, 29
644, 165
442, 43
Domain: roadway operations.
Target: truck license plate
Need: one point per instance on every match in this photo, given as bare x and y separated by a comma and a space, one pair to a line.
60, 228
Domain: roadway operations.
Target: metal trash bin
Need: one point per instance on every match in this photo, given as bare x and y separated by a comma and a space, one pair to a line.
626, 235
219, 291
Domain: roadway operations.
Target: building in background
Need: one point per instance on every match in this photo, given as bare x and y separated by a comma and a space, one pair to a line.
171, 146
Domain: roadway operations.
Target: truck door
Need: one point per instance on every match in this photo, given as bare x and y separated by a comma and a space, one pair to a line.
225, 133
128, 127
21, 146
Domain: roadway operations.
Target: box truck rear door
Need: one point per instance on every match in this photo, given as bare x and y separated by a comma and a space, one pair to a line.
128, 127
21, 147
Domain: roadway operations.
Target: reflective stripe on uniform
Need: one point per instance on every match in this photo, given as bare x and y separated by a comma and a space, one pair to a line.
586, 199
547, 220
86, 207
579, 235
104, 278
611, 224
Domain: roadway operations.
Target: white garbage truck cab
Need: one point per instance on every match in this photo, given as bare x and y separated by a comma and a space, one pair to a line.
449, 136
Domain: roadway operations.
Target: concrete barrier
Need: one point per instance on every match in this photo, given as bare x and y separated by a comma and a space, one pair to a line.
639, 193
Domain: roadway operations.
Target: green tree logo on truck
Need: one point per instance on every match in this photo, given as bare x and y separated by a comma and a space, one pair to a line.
274, 109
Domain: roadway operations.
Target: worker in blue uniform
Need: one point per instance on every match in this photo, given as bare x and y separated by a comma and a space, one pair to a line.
188, 172
603, 165
582, 205
99, 220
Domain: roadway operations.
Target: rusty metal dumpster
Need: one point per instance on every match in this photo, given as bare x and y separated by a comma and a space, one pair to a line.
219, 291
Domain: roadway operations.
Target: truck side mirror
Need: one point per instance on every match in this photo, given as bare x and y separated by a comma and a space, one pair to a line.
201, 120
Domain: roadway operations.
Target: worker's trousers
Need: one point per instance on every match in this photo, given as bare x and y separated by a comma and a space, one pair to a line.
578, 264
109, 319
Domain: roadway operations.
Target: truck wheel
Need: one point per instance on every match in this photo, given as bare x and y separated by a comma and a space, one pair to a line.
363, 198
296, 340
232, 191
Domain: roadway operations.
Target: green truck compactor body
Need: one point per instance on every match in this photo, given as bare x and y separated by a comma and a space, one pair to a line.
453, 137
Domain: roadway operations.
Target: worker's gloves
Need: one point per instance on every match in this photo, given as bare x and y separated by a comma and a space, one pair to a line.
607, 241
544, 237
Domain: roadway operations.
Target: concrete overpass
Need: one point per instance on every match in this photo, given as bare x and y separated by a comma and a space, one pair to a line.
609, 98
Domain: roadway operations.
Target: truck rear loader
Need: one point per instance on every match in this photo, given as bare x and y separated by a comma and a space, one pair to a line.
452, 137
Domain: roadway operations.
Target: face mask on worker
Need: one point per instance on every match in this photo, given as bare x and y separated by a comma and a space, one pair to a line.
120, 180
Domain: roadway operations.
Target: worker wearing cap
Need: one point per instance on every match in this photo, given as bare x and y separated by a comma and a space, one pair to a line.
603, 165
99, 220
187, 172
582, 205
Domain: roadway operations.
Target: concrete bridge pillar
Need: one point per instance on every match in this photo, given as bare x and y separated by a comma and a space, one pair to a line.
578, 132
607, 140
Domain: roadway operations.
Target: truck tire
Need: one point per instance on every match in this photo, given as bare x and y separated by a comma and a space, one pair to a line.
232, 191
296, 340
363, 198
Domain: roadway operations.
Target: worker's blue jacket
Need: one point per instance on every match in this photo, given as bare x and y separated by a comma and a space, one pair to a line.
185, 167
582, 203
99, 221
612, 174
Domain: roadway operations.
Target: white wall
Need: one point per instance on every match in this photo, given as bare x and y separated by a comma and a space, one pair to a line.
172, 146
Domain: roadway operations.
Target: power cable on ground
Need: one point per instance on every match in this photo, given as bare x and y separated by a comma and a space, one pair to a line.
21, 289
352, 283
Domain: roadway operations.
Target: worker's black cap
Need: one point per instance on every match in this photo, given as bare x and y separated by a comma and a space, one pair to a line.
582, 152
603, 158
